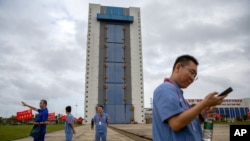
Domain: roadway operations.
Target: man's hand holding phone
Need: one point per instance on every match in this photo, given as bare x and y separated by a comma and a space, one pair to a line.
226, 92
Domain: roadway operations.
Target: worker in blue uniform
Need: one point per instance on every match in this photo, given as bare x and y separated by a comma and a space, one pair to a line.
101, 122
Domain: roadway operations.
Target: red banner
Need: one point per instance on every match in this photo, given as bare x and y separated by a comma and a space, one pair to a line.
63, 117
79, 120
24, 115
51, 116
218, 116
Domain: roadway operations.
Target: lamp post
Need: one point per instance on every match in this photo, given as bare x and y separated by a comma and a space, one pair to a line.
76, 110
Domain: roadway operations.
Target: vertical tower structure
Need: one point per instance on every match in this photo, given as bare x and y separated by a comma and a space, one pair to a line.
114, 65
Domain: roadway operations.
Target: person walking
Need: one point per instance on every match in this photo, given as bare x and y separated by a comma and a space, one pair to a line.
41, 119
173, 118
69, 124
101, 122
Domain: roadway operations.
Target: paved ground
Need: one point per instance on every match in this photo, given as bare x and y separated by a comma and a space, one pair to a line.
84, 133
221, 132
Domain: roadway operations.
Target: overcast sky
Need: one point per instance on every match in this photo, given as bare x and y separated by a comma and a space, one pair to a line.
43, 48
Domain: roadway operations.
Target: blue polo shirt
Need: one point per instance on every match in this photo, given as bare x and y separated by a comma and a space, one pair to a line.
69, 120
101, 122
168, 101
42, 117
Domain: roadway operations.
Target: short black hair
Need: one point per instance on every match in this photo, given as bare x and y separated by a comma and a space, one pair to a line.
68, 109
44, 101
100, 106
185, 59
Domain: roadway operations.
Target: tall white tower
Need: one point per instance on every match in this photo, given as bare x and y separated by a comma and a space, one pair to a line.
114, 70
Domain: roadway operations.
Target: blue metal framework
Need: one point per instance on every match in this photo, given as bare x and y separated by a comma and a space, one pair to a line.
116, 105
114, 14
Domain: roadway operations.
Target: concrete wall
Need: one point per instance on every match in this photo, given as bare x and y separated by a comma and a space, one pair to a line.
92, 63
137, 66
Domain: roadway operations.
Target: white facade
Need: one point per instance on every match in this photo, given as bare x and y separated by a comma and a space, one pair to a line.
92, 63
136, 66
227, 103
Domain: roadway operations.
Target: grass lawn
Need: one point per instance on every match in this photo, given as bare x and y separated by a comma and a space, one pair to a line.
234, 123
12, 132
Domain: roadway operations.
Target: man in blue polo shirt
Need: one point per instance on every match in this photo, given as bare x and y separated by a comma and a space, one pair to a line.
101, 123
173, 117
69, 124
41, 118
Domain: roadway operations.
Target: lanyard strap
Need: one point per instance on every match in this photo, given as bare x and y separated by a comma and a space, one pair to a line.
181, 98
179, 94
100, 117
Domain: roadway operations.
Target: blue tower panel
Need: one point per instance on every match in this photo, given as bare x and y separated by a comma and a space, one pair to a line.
115, 73
119, 113
115, 94
110, 109
115, 34
115, 52
115, 14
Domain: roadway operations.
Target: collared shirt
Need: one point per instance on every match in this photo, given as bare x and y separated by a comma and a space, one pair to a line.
69, 120
42, 117
168, 101
101, 122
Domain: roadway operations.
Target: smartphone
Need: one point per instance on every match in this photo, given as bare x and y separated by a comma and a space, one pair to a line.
226, 92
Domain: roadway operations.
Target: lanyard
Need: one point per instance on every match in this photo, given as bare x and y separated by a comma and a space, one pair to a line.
184, 101
179, 94
186, 105
100, 117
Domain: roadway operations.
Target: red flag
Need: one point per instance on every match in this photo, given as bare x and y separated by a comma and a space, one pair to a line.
51, 116
24, 115
218, 116
79, 120
63, 117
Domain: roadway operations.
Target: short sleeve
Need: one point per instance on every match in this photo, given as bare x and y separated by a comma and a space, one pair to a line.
43, 115
167, 101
